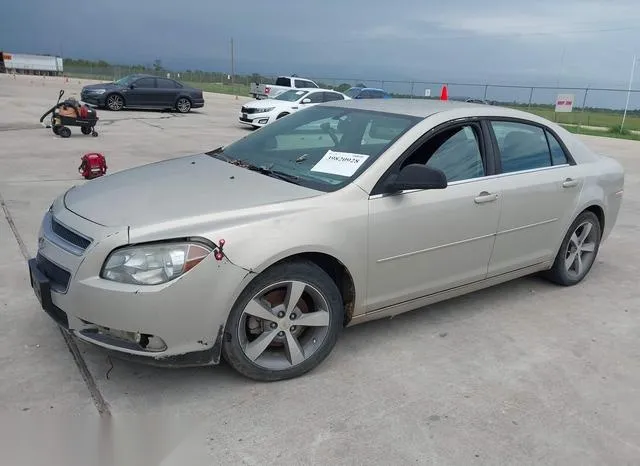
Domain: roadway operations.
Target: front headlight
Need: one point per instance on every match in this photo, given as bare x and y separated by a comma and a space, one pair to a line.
264, 110
97, 91
153, 264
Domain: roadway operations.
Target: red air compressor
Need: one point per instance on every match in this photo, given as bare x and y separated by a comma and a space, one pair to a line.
92, 165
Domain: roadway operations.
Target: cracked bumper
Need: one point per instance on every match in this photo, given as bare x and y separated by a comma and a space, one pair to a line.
188, 314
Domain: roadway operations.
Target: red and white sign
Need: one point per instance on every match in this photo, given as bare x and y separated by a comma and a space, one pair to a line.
564, 103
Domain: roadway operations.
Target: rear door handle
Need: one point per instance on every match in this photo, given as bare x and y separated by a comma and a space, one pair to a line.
569, 183
485, 197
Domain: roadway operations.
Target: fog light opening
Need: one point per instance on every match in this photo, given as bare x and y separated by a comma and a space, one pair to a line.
263, 121
152, 342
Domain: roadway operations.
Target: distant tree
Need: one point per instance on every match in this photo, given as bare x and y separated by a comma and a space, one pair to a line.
343, 87
157, 65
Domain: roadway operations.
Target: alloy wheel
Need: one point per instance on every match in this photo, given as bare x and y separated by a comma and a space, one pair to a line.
115, 102
183, 105
581, 249
283, 325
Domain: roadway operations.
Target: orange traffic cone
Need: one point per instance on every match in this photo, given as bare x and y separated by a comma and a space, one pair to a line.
444, 94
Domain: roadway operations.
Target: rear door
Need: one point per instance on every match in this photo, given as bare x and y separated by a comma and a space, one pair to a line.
167, 92
540, 187
141, 93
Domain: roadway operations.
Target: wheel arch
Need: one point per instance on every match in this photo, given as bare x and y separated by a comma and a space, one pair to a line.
332, 266
183, 96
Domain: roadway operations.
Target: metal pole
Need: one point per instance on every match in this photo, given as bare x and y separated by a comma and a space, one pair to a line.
624, 115
584, 104
412, 89
233, 71
530, 98
486, 86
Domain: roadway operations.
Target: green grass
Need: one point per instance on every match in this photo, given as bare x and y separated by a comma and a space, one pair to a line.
605, 132
602, 119
218, 88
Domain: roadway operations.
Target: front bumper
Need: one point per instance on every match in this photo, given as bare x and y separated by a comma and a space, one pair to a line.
256, 119
93, 99
188, 314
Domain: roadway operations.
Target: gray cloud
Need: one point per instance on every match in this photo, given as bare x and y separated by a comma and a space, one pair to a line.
577, 42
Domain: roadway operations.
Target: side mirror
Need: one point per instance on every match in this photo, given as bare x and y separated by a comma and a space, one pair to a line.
417, 176
306, 100
132, 86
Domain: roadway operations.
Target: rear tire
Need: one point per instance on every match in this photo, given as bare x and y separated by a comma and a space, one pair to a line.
64, 132
183, 105
284, 323
577, 252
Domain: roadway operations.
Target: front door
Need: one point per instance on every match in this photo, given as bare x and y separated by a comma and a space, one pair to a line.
141, 93
539, 191
423, 242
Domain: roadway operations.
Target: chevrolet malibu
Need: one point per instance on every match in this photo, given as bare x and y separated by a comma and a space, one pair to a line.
262, 251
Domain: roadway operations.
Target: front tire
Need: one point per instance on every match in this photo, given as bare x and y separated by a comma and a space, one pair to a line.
285, 323
114, 102
578, 251
282, 115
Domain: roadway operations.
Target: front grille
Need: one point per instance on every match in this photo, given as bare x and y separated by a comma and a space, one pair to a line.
58, 276
69, 236
248, 110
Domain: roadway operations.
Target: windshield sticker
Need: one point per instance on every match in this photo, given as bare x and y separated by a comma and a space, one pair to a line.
299, 92
339, 163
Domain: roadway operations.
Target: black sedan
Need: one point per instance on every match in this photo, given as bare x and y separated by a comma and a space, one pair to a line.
143, 91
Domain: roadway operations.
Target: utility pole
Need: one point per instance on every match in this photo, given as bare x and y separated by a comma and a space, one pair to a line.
233, 71
624, 115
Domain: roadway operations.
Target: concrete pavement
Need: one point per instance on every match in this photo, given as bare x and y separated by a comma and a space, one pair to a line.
524, 373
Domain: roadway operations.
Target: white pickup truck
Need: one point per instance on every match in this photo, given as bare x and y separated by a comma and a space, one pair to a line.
283, 83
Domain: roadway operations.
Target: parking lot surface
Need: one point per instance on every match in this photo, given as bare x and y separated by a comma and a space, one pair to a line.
523, 373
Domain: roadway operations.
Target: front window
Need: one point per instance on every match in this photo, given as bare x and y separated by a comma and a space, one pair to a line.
126, 80
291, 96
322, 148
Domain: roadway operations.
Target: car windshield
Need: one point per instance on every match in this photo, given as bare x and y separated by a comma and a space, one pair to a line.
322, 148
291, 96
354, 91
126, 80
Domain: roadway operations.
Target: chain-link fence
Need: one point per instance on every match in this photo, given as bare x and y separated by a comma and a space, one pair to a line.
592, 107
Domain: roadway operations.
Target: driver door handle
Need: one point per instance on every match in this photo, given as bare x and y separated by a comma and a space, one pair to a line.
485, 197
569, 183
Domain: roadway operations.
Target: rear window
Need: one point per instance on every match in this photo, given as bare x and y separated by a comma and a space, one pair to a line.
286, 82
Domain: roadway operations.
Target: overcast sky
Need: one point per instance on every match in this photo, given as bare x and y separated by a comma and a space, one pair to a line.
576, 42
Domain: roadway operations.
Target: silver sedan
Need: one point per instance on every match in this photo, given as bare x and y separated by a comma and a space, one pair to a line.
262, 251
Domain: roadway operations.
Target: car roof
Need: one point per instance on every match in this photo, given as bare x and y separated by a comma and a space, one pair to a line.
424, 108
369, 88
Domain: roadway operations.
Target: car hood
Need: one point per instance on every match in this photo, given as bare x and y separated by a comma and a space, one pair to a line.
268, 103
175, 190
101, 86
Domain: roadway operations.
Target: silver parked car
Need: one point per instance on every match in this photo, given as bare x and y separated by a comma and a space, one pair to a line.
263, 250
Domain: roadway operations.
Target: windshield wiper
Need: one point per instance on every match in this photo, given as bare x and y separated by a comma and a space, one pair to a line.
218, 153
273, 173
